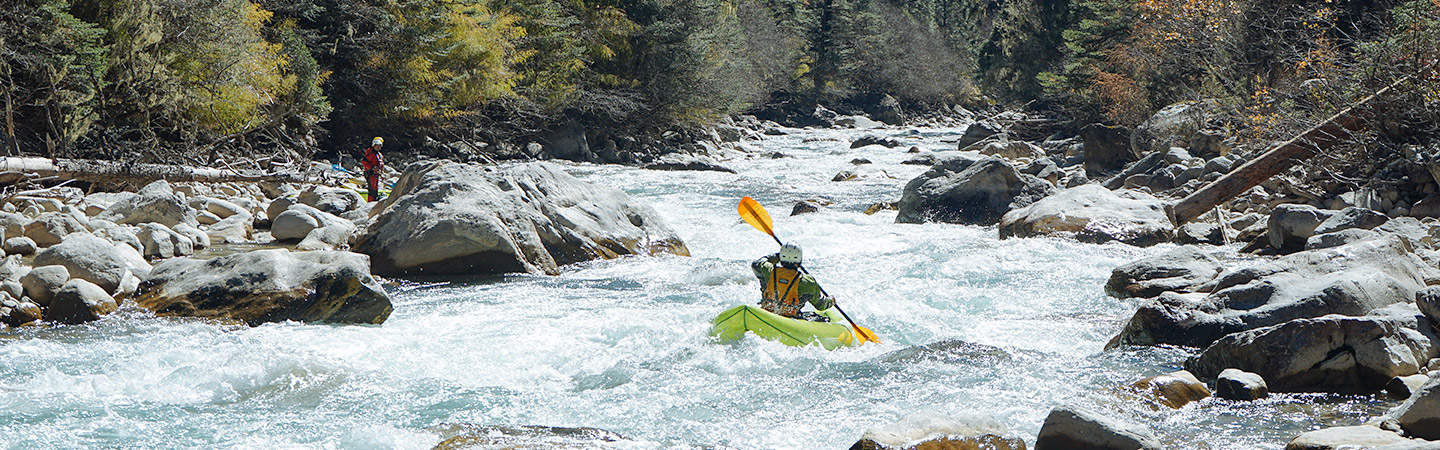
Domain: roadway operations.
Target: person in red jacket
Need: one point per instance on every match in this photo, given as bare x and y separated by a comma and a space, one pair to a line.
373, 164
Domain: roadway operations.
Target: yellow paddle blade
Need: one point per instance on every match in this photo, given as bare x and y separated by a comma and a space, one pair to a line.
753, 213
865, 334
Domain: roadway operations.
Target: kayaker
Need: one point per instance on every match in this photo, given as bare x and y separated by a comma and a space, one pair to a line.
784, 290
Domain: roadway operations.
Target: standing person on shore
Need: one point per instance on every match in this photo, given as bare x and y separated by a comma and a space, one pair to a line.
373, 164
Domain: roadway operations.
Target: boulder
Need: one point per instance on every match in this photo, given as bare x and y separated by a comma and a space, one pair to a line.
1426, 207
1092, 214
1334, 353
198, 238
278, 206
450, 218
1045, 169
1013, 150
51, 227
1351, 218
1236, 384
970, 192
1291, 225
206, 218
222, 208
41, 283
1073, 428
15, 312
568, 142
236, 229
94, 259
268, 286
1401, 388
889, 111
1428, 301
808, 206
313, 228
80, 301
860, 161
120, 234
1340, 238
20, 245
1107, 148
331, 200
162, 242
872, 139
470, 436
13, 224
1200, 233
1420, 415
11, 269
677, 161
1180, 270
977, 132
845, 175
1173, 390
1176, 125
1341, 438
1352, 279
156, 202
14, 288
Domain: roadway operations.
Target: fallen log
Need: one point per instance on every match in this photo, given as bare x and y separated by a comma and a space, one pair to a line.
16, 169
1274, 161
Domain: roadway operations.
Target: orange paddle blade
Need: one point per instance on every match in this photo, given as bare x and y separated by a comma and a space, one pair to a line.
865, 334
755, 215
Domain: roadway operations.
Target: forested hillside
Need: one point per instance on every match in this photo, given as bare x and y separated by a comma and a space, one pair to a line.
192, 79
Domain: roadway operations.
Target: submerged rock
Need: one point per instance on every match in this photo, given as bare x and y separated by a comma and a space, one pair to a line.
969, 192
1092, 214
1173, 390
950, 351
1072, 428
466, 436
268, 286
451, 218
871, 139
1236, 384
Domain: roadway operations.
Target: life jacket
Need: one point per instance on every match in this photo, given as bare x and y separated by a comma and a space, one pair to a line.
372, 160
780, 294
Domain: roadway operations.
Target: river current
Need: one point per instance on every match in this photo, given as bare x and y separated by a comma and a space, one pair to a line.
621, 345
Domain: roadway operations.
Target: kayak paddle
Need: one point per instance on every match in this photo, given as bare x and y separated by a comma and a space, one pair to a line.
755, 215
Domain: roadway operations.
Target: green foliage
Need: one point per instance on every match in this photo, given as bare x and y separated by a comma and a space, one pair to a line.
52, 68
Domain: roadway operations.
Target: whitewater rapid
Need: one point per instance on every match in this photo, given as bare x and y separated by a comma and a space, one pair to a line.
621, 345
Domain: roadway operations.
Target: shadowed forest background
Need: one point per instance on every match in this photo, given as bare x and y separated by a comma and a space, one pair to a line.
195, 80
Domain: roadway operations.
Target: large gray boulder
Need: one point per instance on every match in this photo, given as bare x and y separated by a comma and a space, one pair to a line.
1339, 238
1334, 353
13, 224
1351, 218
1352, 279
1107, 148
1179, 270
332, 200
1072, 428
313, 228
20, 245
1092, 213
975, 192
1013, 150
977, 132
52, 227
1176, 125
1420, 415
1428, 302
156, 202
236, 229
1354, 437
451, 218
1236, 384
1291, 225
268, 286
678, 161
162, 242
41, 283
97, 260
80, 301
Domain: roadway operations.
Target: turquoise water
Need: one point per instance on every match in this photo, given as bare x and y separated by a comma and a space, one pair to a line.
621, 345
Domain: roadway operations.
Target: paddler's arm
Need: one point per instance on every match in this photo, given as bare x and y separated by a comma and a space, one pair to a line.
810, 292
764, 265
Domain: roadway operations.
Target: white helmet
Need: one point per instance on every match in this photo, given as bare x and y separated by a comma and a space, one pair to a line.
790, 254
377, 141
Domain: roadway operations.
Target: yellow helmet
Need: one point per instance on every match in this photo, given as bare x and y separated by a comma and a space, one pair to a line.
377, 141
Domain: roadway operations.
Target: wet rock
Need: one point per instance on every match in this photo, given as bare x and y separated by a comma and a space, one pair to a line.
450, 218
872, 139
97, 260
1200, 233
268, 286
676, 161
1339, 238
1173, 126
808, 206
1401, 388
80, 301
1074, 428
41, 283
977, 132
52, 227
859, 161
1106, 148
1173, 390
1291, 225
1338, 438
162, 242
15, 312
20, 246
1333, 353
156, 202
1236, 384
466, 436
1092, 214
1180, 270
969, 192
924, 159
1013, 150
881, 206
1420, 415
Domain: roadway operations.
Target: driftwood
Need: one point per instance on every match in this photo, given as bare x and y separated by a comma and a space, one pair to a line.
16, 169
1274, 161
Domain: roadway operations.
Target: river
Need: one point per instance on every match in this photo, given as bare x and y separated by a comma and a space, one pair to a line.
621, 345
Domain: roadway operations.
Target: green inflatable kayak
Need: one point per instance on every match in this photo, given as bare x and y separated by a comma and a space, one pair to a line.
732, 324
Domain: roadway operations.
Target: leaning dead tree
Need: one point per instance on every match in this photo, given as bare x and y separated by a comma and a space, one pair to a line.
1274, 161
17, 169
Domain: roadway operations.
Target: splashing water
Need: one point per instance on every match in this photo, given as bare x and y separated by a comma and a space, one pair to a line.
621, 345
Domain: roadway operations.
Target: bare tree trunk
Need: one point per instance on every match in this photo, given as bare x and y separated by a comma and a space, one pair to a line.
14, 169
